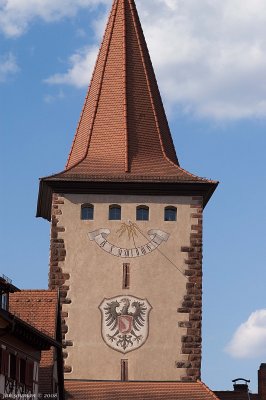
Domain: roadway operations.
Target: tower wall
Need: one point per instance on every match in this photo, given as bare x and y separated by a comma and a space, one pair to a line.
87, 274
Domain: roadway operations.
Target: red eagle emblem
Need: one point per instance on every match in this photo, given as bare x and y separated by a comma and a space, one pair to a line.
125, 322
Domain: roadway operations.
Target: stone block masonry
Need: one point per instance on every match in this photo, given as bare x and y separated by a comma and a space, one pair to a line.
57, 278
192, 301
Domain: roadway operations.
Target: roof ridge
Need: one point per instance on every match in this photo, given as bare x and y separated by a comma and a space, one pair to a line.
113, 9
133, 11
125, 90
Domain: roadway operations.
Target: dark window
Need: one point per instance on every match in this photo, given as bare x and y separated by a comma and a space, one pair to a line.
4, 300
5, 362
22, 375
142, 213
124, 370
126, 276
115, 212
29, 374
13, 366
87, 211
170, 214
1, 362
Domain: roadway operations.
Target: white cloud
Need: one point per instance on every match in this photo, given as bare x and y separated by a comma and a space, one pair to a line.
209, 55
249, 340
16, 15
8, 66
80, 70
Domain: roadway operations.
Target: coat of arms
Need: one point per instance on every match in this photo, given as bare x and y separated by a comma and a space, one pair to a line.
125, 322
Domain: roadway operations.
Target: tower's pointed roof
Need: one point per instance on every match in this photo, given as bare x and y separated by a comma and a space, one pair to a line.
123, 127
123, 133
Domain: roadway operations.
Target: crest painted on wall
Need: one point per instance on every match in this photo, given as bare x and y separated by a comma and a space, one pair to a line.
125, 322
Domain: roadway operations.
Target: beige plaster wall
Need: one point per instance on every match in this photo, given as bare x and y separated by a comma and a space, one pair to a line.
95, 275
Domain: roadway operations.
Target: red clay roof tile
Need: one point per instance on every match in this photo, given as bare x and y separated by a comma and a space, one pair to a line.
79, 390
123, 128
123, 134
39, 308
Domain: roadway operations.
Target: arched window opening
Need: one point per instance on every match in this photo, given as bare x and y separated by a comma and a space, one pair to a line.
87, 212
142, 213
114, 212
170, 213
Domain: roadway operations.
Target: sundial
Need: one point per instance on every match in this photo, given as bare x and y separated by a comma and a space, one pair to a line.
154, 238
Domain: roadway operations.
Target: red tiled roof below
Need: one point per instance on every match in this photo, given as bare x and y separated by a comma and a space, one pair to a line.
46, 371
36, 307
80, 390
39, 308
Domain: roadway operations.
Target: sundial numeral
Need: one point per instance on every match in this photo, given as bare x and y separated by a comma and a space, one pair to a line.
157, 237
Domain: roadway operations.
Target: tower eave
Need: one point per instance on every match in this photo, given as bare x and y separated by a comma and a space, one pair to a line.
139, 185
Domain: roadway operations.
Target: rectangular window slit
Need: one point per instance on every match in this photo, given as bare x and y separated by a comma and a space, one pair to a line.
124, 370
126, 276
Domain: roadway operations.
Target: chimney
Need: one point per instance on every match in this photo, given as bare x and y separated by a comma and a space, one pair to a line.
241, 387
262, 382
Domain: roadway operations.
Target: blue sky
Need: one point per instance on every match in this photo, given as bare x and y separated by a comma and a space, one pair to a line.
210, 60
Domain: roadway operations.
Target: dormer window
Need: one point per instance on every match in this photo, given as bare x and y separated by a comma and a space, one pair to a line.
115, 212
87, 212
3, 300
6, 287
142, 213
170, 213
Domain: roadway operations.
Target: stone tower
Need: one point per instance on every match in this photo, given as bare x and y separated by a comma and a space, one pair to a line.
126, 226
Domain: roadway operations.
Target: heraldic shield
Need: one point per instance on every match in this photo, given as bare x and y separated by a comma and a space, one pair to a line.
125, 322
